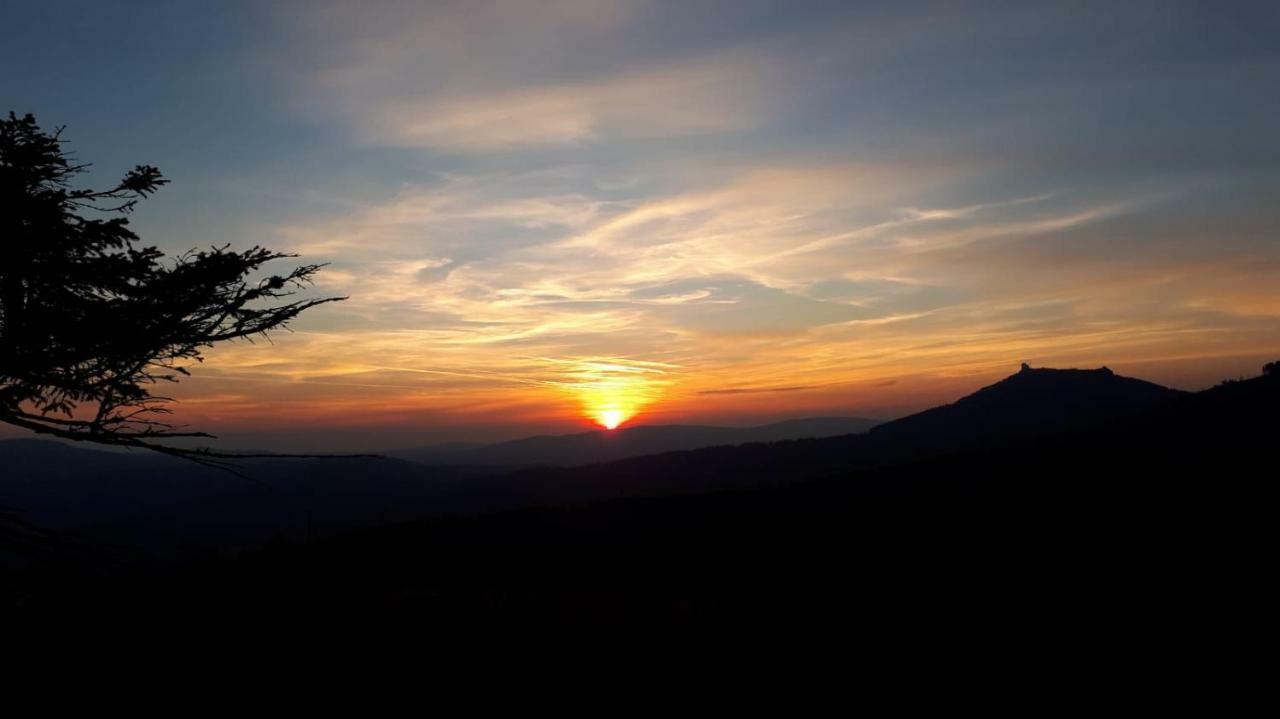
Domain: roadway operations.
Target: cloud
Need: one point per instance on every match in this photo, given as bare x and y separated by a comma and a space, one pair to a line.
508, 285
757, 390
518, 265
436, 270
719, 95
497, 77
731, 305
734, 209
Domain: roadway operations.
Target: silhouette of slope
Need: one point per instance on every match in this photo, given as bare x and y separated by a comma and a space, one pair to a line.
164, 504
605, 446
160, 503
1028, 404
172, 506
1031, 402
1136, 523
156, 503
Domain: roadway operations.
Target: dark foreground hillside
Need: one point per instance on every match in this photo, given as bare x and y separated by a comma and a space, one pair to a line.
1136, 517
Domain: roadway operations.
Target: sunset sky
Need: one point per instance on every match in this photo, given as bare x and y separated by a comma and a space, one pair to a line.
711, 212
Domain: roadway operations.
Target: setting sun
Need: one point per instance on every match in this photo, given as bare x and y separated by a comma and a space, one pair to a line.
613, 390
610, 418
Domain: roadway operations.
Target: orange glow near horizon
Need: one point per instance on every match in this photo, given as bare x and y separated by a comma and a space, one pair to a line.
613, 391
566, 394
610, 405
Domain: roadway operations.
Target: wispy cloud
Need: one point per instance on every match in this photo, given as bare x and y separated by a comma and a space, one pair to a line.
718, 95
497, 77
758, 390
735, 290
641, 207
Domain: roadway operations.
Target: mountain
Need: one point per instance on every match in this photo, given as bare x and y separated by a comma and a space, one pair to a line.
169, 505
1032, 402
610, 445
1147, 516
173, 506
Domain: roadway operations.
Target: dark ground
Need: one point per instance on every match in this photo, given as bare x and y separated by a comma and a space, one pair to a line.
1148, 522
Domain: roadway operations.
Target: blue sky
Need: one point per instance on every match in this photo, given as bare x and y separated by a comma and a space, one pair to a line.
684, 209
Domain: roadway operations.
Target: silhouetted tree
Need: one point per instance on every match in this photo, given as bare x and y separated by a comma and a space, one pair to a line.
90, 321
1271, 369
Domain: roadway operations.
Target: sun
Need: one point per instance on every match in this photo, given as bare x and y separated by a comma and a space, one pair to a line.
612, 391
610, 418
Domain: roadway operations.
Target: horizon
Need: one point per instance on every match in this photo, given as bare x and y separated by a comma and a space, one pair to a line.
474, 441
639, 213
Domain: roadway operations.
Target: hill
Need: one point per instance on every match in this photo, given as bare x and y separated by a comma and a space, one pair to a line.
176, 508
1131, 522
173, 507
1032, 402
1024, 406
610, 445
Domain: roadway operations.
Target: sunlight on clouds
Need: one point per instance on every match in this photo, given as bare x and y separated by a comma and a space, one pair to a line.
576, 213
613, 391
386, 79
716, 96
650, 301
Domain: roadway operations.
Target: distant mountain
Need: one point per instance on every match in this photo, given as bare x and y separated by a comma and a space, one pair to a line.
162, 503
148, 500
569, 450
1032, 402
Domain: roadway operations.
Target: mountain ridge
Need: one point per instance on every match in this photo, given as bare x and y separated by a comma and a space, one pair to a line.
152, 500
1033, 400
596, 446
1094, 525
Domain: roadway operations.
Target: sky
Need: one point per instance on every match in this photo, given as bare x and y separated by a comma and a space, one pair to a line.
552, 215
